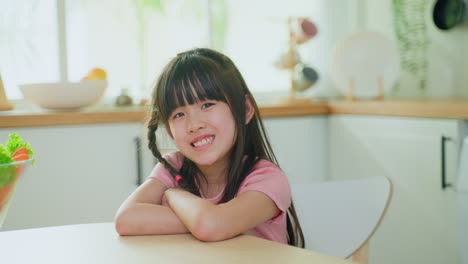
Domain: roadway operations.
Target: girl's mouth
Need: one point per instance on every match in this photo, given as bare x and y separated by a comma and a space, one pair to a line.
203, 142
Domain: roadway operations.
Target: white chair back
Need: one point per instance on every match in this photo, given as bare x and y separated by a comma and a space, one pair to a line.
338, 217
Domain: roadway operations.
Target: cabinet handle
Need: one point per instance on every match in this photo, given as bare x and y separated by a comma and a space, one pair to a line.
445, 184
138, 159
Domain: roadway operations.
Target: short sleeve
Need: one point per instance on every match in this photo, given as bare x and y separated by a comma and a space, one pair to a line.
161, 173
268, 178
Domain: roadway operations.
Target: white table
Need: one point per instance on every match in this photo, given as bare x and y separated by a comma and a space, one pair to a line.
99, 243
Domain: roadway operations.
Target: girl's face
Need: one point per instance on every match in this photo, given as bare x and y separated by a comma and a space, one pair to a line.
204, 132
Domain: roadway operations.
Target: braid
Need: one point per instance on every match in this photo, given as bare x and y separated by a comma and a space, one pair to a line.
152, 145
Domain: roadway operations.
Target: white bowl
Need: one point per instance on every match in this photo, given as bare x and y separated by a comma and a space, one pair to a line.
67, 95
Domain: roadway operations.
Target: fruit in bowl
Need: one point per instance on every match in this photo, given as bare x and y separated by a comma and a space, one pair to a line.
96, 74
68, 95
14, 156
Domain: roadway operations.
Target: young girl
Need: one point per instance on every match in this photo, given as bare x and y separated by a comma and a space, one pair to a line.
224, 179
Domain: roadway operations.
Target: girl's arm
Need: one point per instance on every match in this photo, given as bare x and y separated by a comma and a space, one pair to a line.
143, 214
209, 222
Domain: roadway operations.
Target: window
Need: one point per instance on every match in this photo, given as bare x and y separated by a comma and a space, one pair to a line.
50, 40
131, 39
28, 46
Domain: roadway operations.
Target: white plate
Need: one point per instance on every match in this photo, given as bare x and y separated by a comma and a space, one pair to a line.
363, 61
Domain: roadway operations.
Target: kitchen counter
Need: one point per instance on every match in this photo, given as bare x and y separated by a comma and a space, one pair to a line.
34, 116
429, 108
99, 243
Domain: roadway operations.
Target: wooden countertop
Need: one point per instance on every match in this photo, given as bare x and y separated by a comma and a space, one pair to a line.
99, 243
430, 108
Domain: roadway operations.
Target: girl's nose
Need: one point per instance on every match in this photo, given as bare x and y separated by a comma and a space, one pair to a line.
195, 124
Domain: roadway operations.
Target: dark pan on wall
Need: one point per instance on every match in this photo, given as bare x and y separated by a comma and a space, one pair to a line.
447, 14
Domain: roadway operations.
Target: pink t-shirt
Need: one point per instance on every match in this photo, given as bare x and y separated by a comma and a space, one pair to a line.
265, 177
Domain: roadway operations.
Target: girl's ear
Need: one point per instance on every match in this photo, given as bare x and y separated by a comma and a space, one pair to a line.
249, 109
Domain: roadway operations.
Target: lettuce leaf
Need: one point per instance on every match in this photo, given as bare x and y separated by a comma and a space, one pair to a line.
15, 142
5, 155
7, 175
7, 172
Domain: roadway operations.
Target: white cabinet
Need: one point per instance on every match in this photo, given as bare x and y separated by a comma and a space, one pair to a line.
82, 174
300, 145
420, 225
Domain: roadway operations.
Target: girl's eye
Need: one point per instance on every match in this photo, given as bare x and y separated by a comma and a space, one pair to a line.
206, 105
177, 115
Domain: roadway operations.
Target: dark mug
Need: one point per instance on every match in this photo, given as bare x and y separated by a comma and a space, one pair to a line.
304, 77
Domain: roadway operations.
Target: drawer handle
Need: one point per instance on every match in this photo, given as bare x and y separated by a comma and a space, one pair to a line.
138, 160
445, 184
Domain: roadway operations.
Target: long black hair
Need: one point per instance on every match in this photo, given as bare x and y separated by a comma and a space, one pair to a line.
204, 74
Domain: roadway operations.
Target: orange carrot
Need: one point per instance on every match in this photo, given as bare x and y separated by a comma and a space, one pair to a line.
4, 193
20, 154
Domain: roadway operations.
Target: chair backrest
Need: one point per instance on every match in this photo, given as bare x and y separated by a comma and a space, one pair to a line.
338, 217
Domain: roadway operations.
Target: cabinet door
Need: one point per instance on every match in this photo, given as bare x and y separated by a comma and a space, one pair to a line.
82, 174
420, 224
300, 145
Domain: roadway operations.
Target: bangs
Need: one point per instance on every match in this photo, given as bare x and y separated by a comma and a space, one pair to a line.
187, 87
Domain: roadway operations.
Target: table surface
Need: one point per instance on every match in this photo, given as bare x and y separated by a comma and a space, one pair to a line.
99, 243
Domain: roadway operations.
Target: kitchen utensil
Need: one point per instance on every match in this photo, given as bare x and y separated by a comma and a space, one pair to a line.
64, 96
286, 60
303, 30
304, 77
449, 13
365, 65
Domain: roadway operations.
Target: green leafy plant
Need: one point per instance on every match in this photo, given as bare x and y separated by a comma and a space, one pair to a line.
5, 156
409, 19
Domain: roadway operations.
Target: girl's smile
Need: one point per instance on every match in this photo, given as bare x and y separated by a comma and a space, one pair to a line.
202, 141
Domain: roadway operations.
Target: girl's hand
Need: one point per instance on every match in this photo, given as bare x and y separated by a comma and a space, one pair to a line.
167, 194
146, 213
209, 222
190, 209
